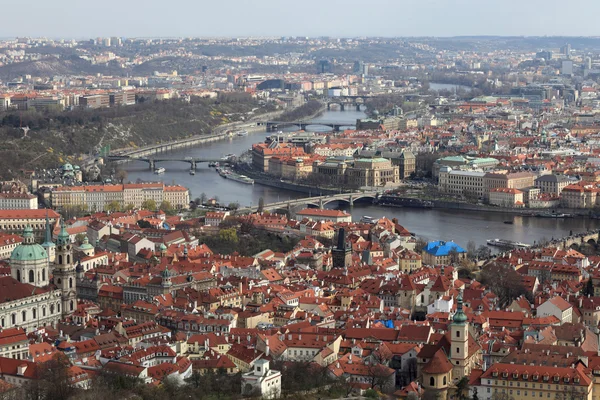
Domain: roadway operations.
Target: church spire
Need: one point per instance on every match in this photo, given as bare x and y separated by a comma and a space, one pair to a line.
459, 317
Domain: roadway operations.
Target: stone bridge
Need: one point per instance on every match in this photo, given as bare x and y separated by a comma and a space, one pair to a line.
566, 242
317, 201
193, 161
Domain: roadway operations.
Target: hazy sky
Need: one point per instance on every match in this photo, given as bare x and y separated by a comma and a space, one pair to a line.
136, 18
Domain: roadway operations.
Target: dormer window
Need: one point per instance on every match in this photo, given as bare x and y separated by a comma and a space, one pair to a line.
505, 374
525, 376
546, 378
535, 377
515, 375
567, 379
495, 373
557, 379
576, 380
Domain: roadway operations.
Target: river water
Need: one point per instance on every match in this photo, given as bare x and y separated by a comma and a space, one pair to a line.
460, 226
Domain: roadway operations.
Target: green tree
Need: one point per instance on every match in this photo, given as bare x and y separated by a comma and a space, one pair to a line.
228, 235
462, 389
149, 205
130, 207
165, 206
113, 206
79, 238
233, 206
588, 289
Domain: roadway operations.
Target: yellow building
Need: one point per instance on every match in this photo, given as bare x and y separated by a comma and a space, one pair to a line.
521, 382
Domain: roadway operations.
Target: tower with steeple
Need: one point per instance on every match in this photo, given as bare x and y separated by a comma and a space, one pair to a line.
64, 272
48, 244
459, 351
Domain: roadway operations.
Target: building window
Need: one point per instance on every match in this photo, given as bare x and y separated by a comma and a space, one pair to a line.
432, 381
23, 316
457, 334
31, 277
444, 380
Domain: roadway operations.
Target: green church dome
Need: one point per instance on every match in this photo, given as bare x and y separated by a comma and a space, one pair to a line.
28, 250
86, 244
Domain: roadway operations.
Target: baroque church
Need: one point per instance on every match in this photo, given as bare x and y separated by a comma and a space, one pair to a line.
441, 365
39, 292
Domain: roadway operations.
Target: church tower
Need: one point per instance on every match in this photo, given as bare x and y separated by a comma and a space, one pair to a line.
64, 272
342, 253
460, 342
48, 245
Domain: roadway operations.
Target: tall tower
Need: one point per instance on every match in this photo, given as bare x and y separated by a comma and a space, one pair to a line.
460, 341
64, 272
48, 244
342, 254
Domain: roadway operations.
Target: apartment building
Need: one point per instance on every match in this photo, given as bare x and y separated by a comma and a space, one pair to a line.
522, 382
506, 197
18, 201
477, 182
95, 101
97, 197
576, 196
460, 182
553, 184
15, 221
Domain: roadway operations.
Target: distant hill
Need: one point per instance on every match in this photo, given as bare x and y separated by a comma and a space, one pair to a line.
59, 136
52, 65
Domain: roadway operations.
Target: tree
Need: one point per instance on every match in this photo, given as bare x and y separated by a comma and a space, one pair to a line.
483, 252
454, 255
462, 388
142, 223
475, 396
234, 205
149, 204
113, 206
79, 237
130, 207
228, 235
420, 245
379, 376
471, 249
202, 198
588, 289
261, 204
121, 175
165, 206
504, 281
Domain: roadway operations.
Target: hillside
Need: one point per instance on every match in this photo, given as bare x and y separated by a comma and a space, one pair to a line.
52, 65
57, 136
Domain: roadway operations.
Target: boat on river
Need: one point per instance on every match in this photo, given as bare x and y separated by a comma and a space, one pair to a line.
507, 243
553, 215
159, 170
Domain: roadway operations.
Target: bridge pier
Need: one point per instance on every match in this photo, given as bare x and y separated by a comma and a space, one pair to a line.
321, 205
193, 165
351, 201
151, 164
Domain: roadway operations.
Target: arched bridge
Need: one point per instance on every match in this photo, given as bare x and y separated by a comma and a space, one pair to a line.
273, 126
575, 240
347, 101
317, 201
193, 161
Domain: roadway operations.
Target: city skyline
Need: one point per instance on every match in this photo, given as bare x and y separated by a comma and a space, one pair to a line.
384, 18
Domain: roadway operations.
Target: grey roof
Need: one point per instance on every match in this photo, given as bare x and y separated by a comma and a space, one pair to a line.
553, 178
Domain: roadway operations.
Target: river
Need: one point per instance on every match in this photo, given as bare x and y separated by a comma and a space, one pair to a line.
460, 226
